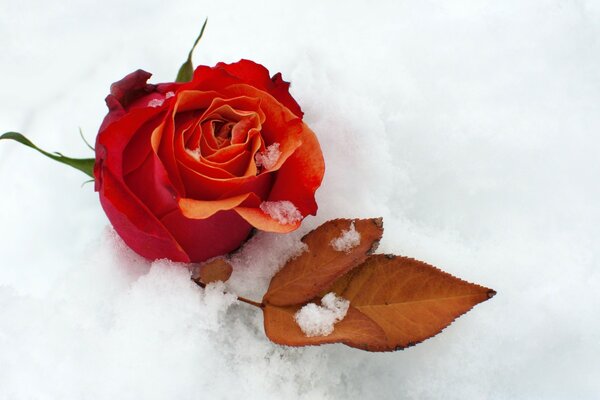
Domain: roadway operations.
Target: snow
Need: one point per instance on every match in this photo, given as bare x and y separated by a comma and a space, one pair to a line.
196, 153
348, 240
168, 95
284, 212
253, 264
315, 320
269, 157
155, 103
471, 127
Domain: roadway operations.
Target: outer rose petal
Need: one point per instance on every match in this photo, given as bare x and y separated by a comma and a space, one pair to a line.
112, 140
130, 88
206, 238
135, 223
301, 175
258, 219
133, 91
202, 209
256, 75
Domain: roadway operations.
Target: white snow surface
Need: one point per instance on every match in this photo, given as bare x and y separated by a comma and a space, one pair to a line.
319, 320
348, 240
471, 127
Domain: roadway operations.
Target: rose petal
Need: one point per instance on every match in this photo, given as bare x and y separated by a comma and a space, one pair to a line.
206, 238
280, 125
226, 153
166, 150
118, 135
131, 88
240, 165
149, 180
134, 222
237, 159
264, 222
151, 184
200, 209
124, 93
257, 75
301, 175
234, 110
202, 187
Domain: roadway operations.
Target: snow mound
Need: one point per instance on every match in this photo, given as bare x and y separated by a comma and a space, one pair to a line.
316, 320
348, 240
269, 157
284, 212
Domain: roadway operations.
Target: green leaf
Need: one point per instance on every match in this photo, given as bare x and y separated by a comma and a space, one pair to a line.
85, 165
186, 72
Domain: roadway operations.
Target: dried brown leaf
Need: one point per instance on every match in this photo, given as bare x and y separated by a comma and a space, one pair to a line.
409, 299
216, 270
307, 275
356, 329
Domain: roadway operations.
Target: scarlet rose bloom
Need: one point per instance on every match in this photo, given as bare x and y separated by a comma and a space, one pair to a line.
186, 170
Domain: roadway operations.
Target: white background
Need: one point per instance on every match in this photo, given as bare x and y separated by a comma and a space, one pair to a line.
470, 126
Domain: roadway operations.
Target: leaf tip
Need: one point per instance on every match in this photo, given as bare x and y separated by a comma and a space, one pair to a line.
374, 247
491, 293
378, 222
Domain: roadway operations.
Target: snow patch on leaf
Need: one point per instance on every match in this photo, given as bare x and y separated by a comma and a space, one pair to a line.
348, 240
284, 212
316, 320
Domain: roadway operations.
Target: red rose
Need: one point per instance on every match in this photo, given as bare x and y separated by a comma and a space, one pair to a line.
186, 170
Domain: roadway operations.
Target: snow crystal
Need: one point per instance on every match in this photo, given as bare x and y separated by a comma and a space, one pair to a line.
284, 212
348, 240
269, 157
169, 95
316, 320
155, 103
194, 153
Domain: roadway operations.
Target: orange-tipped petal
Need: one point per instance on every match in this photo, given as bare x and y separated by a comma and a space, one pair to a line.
201, 209
258, 76
264, 222
299, 178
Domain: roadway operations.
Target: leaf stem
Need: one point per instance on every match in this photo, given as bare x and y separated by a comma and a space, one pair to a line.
252, 303
242, 299
85, 165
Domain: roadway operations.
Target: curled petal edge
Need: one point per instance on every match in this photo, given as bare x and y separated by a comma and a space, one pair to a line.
264, 222
202, 209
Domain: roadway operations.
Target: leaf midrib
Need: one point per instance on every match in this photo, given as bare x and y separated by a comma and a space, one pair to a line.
415, 301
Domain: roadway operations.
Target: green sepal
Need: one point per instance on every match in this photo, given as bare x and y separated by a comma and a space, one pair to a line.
186, 72
85, 165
